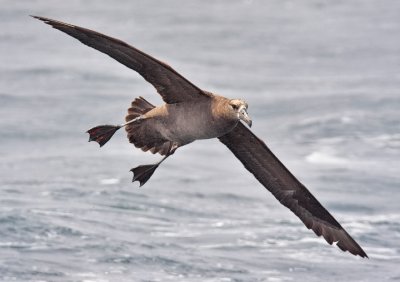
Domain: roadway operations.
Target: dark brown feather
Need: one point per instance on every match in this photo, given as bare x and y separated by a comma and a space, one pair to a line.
139, 107
172, 86
271, 173
142, 134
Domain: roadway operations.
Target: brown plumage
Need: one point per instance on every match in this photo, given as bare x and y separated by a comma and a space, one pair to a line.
141, 134
190, 114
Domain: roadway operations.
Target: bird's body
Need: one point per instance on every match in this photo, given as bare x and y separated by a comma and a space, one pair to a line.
189, 114
185, 122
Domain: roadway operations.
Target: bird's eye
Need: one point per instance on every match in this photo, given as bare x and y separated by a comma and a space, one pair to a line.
235, 107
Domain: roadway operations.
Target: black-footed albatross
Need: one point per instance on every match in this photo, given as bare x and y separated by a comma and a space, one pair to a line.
190, 113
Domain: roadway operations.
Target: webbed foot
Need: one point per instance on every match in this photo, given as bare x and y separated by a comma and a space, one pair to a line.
143, 173
102, 133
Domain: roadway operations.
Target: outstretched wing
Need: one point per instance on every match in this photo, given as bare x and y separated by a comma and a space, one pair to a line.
172, 86
271, 173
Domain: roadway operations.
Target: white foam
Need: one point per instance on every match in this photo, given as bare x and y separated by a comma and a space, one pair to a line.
385, 140
346, 120
325, 158
109, 181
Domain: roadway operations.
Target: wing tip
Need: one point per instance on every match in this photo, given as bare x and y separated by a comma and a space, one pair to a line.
51, 22
340, 237
353, 248
344, 242
40, 18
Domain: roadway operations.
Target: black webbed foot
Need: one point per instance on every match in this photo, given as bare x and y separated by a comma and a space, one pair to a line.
143, 173
102, 133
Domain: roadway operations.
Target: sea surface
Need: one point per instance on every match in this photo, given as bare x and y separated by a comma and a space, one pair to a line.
322, 80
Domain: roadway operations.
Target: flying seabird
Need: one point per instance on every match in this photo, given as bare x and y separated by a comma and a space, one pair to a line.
189, 114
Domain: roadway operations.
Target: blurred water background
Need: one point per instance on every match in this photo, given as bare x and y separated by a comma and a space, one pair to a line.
322, 79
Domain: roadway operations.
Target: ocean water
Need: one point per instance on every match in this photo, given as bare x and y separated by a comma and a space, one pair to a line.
322, 80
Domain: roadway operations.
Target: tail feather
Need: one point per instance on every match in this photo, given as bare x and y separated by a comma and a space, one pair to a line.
138, 107
140, 134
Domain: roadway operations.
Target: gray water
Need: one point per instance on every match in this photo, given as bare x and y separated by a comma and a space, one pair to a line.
322, 79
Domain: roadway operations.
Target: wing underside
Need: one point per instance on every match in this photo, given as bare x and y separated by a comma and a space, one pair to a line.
172, 86
274, 176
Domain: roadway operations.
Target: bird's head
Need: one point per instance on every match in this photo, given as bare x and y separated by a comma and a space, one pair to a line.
239, 107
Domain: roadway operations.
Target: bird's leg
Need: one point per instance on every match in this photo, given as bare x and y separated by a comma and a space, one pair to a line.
143, 173
102, 133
